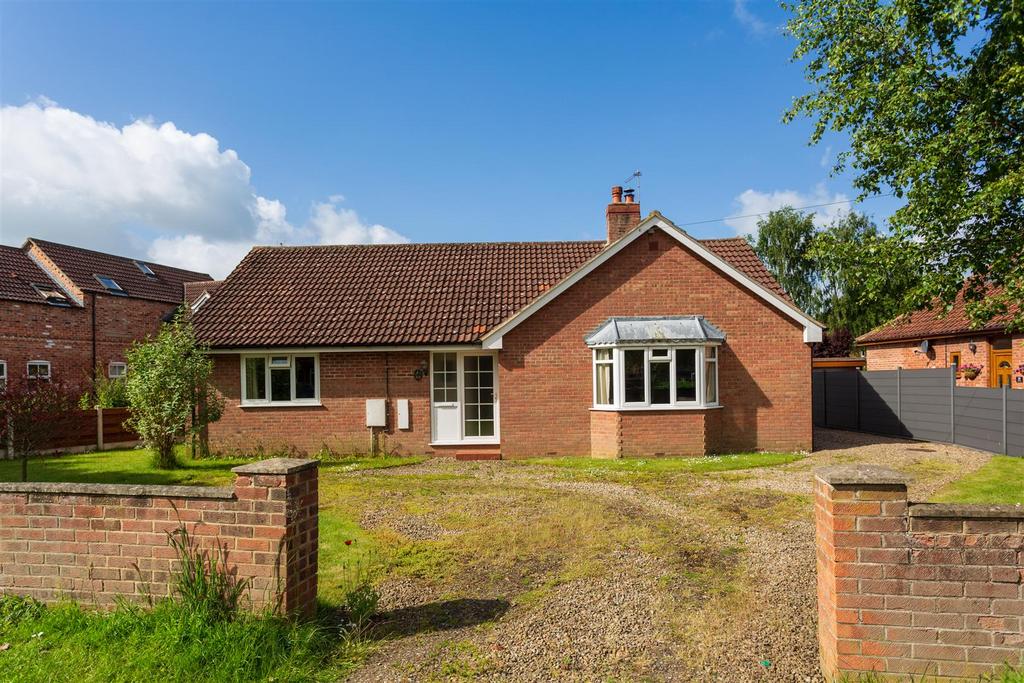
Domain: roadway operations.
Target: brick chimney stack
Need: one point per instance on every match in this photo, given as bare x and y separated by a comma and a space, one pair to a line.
623, 213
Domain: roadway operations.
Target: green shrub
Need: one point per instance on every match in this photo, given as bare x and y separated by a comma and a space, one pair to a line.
107, 392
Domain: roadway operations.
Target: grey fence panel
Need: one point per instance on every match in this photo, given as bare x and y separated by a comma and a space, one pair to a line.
841, 410
818, 398
1015, 423
880, 402
979, 419
925, 403
920, 404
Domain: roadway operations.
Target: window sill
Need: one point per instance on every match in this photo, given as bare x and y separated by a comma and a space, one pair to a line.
651, 409
283, 404
479, 442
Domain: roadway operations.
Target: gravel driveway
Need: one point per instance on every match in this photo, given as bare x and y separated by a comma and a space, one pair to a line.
712, 579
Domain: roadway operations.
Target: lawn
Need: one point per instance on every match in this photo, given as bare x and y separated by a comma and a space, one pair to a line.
1001, 480
134, 466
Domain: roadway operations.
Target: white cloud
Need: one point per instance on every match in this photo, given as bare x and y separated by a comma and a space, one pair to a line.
748, 19
333, 224
754, 204
70, 178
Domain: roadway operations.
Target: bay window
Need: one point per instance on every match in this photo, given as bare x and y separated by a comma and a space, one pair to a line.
655, 363
280, 379
656, 377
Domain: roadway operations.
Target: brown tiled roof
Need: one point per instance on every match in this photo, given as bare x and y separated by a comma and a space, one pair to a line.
930, 323
82, 266
193, 290
18, 273
738, 252
403, 294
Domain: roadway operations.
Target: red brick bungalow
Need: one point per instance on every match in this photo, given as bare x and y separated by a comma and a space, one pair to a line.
66, 312
931, 339
649, 343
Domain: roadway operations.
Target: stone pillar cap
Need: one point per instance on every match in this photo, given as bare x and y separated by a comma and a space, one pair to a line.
275, 466
861, 475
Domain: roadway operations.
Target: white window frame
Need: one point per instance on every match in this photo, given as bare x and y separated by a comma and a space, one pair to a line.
3, 373
598, 362
49, 370
246, 402
116, 364
619, 378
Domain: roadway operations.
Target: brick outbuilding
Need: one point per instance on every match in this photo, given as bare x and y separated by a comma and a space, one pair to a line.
648, 343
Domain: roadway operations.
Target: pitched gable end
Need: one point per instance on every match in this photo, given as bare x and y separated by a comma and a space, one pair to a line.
812, 328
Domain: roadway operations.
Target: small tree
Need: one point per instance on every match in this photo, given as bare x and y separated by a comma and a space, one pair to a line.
169, 390
32, 412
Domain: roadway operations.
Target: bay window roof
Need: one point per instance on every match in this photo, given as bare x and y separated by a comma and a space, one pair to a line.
687, 329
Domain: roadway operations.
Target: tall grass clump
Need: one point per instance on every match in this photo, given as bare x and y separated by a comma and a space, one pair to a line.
204, 584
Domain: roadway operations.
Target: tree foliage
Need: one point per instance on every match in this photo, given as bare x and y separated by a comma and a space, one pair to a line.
32, 412
169, 390
828, 271
783, 242
931, 95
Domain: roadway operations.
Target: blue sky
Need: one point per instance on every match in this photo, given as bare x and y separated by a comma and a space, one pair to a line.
427, 121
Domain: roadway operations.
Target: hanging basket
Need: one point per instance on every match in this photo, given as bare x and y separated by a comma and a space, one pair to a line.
970, 372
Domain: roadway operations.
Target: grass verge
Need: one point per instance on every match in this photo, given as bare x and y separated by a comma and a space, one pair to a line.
135, 466
1000, 480
66, 642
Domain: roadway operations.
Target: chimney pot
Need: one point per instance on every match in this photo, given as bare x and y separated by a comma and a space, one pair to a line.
622, 216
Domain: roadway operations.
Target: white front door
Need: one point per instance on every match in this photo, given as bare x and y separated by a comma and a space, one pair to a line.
444, 401
464, 397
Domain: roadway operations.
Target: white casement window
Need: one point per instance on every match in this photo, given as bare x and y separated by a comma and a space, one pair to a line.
38, 369
656, 377
3, 373
276, 379
116, 370
604, 378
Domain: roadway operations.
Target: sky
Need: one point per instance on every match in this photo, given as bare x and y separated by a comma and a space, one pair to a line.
185, 133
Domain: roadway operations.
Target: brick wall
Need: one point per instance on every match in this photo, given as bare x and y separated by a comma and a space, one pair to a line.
339, 423
764, 374
63, 336
915, 588
904, 355
95, 542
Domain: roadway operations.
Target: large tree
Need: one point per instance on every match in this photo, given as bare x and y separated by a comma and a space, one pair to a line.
931, 95
832, 272
845, 258
783, 242
169, 389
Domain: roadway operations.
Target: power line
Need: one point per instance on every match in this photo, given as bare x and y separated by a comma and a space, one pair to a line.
795, 208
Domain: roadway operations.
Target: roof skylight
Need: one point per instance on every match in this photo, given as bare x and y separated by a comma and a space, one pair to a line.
144, 267
111, 285
53, 296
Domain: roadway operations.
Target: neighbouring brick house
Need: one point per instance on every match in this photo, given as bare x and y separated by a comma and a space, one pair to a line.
65, 310
927, 339
649, 343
